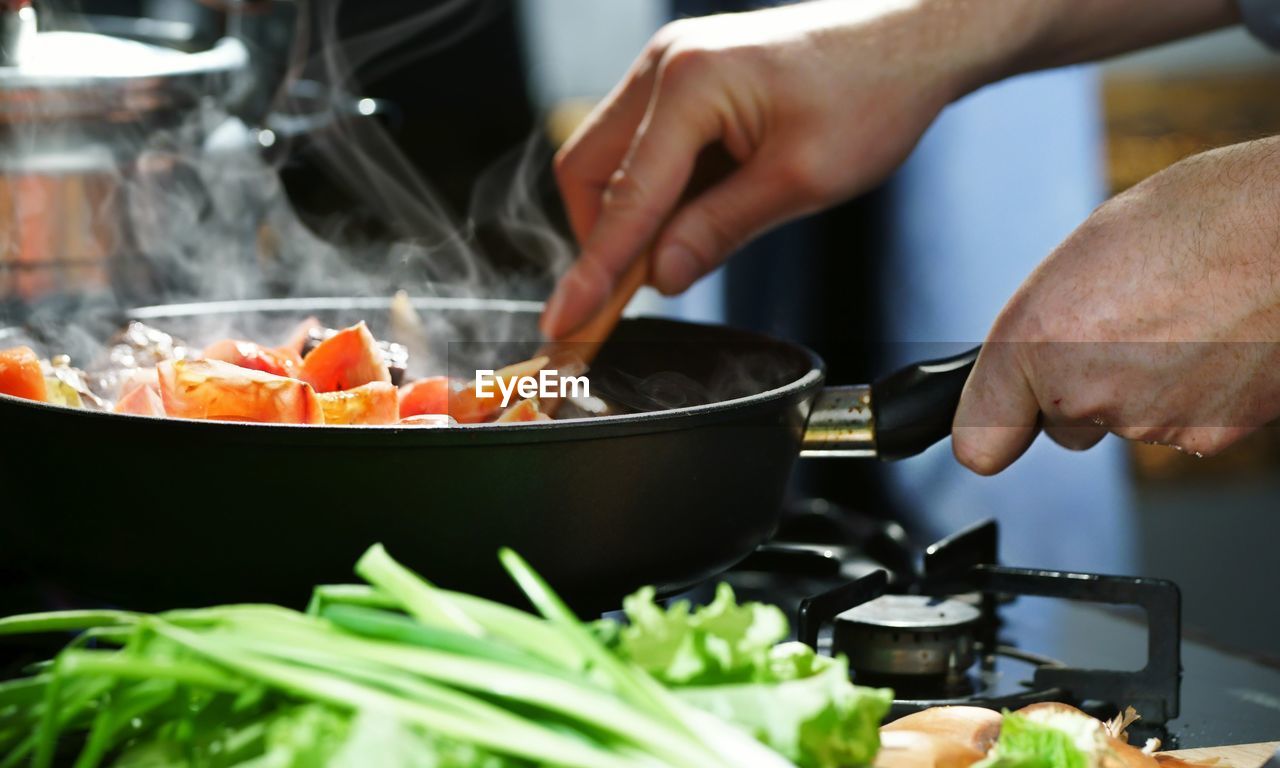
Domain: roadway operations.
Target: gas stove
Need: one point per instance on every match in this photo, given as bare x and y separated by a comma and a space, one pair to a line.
948, 624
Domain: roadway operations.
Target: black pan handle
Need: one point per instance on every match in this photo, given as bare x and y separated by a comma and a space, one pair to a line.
899, 416
913, 408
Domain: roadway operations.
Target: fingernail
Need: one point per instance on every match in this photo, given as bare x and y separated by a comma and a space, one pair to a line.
675, 268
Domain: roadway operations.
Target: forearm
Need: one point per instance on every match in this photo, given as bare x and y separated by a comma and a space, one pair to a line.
1009, 37
1084, 30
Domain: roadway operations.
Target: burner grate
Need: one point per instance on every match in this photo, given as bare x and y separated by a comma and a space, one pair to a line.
964, 565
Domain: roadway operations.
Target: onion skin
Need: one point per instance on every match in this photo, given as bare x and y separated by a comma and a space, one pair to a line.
920, 749
976, 727
958, 737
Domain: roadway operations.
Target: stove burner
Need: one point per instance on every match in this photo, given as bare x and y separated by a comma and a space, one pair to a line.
1002, 680
907, 636
933, 634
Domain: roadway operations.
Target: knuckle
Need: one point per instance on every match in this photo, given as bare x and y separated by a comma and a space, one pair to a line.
1078, 407
1069, 409
806, 174
1204, 441
685, 64
1145, 433
667, 35
1075, 438
627, 195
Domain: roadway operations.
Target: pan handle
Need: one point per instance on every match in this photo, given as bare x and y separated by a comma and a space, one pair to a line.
899, 416
913, 408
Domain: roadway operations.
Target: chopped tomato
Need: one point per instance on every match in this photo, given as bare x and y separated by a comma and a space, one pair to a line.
345, 360
142, 400
373, 403
469, 408
427, 420
212, 389
298, 337
281, 362
425, 396
525, 410
20, 374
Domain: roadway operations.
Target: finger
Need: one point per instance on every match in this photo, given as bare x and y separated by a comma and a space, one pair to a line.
1201, 441
998, 414
704, 232
1076, 436
593, 153
638, 199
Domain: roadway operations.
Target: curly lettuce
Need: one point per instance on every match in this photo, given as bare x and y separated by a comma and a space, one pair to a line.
728, 659
1056, 741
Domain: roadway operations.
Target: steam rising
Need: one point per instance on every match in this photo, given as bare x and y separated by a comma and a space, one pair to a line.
195, 208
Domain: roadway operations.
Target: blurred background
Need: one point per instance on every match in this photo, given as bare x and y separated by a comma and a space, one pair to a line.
449, 90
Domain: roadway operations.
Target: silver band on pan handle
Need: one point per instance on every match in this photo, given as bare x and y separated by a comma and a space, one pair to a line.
841, 424
912, 409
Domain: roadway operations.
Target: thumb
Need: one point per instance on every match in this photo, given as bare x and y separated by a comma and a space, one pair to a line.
998, 415
707, 229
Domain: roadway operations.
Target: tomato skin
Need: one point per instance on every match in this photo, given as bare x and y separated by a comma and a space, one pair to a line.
300, 334
425, 396
280, 362
348, 359
20, 374
525, 410
469, 408
215, 390
142, 400
374, 403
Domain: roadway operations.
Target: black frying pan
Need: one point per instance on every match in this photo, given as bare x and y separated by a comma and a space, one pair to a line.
152, 512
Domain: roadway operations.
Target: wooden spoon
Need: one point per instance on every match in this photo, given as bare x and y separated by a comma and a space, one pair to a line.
585, 341
578, 350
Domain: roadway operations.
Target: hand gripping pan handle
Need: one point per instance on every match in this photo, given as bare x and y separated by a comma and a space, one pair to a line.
899, 416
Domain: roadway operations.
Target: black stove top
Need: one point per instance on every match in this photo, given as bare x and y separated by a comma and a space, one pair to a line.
1226, 698
954, 626
948, 624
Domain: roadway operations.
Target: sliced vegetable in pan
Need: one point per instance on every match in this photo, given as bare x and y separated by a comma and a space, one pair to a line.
212, 389
359, 380
345, 360
374, 403
20, 374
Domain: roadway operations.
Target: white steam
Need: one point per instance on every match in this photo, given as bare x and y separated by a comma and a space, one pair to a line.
189, 205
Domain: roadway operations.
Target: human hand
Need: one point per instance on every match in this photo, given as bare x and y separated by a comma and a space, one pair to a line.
1157, 320
815, 102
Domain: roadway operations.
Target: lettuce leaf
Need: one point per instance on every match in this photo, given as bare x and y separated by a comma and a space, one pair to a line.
1027, 744
722, 642
727, 659
818, 721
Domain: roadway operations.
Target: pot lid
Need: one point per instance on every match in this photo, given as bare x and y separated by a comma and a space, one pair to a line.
61, 75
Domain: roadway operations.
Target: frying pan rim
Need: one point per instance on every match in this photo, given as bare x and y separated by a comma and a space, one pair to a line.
563, 429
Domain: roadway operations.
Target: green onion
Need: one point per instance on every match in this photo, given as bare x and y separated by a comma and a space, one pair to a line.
397, 666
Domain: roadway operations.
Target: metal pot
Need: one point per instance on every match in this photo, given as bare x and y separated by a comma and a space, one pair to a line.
89, 125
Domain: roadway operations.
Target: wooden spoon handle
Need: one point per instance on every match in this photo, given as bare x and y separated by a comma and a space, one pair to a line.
578, 350
585, 341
